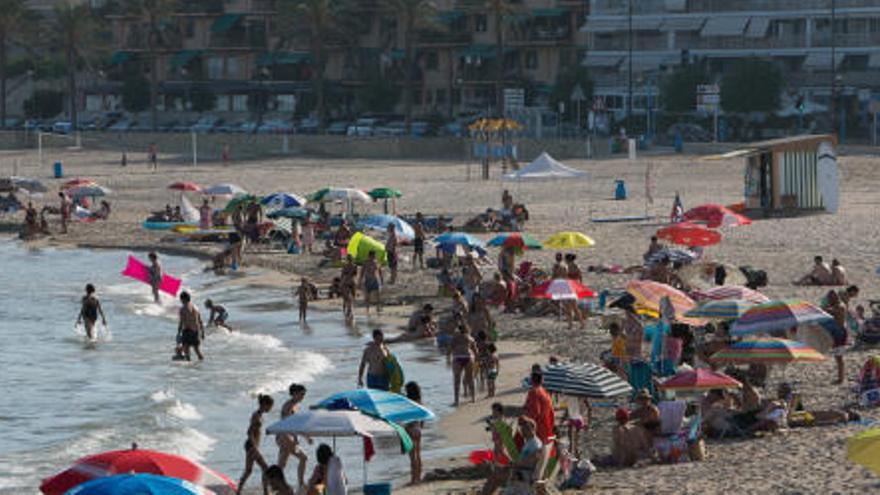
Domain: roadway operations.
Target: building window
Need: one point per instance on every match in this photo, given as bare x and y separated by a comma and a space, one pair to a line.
480, 23
440, 97
233, 68
456, 97
190, 29
432, 61
286, 103
531, 59
239, 103
215, 68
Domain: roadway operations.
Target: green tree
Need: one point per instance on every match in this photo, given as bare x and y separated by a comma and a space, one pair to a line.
413, 15
566, 81
315, 20
154, 13
135, 93
76, 30
44, 104
379, 95
13, 23
678, 90
751, 85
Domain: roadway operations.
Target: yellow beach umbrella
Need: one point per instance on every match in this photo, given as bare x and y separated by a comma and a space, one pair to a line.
568, 240
864, 449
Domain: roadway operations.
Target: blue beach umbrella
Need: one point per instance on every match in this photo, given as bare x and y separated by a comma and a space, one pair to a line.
381, 223
138, 484
461, 239
381, 404
283, 200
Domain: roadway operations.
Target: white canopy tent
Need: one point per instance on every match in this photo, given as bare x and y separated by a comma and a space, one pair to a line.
544, 168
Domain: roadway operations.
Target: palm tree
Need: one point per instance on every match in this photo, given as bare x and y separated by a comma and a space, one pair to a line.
416, 15
12, 16
153, 12
499, 9
75, 27
317, 19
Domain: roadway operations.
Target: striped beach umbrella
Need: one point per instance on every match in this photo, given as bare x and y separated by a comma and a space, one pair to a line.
561, 289
779, 315
730, 292
648, 295
767, 351
699, 380
724, 309
584, 380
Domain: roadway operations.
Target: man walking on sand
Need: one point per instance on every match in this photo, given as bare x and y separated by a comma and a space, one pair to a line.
65, 207
153, 156
371, 279
373, 360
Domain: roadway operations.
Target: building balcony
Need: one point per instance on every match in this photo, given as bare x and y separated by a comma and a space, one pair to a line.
619, 7
445, 38
560, 34
201, 7
252, 41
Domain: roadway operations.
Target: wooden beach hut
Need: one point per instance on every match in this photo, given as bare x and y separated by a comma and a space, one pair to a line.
790, 175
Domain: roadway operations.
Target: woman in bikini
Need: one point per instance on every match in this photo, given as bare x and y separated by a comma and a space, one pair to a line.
89, 311
252, 444
288, 445
462, 350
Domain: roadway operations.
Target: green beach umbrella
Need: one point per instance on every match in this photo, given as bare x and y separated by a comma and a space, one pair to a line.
384, 193
318, 195
240, 199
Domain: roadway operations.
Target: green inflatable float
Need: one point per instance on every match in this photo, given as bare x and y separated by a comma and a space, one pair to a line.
360, 245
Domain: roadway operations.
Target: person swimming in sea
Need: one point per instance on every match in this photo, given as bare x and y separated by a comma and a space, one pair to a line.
218, 315
89, 311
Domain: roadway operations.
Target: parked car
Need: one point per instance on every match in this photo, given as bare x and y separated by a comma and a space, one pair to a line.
363, 127
123, 125
307, 125
455, 129
275, 126
168, 126
396, 128
183, 126
338, 128
206, 124
62, 127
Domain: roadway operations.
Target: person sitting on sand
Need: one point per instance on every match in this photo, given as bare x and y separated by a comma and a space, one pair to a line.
628, 443
838, 273
819, 275
373, 361
523, 469
462, 352
559, 270
252, 444
415, 320
89, 311
654, 247
218, 314
646, 414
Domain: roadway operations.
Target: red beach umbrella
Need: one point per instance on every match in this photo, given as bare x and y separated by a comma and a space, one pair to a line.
78, 182
185, 187
699, 380
689, 234
133, 461
561, 288
715, 215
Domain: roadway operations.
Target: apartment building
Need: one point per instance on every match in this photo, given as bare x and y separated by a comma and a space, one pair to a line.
795, 34
231, 49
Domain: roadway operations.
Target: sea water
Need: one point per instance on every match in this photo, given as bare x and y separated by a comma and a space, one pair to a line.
63, 397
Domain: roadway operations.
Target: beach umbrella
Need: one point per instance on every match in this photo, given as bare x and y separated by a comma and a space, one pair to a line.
689, 234
561, 289
138, 484
346, 194
460, 238
383, 405
381, 222
294, 212
568, 240
699, 380
648, 295
27, 184
133, 461
767, 351
516, 240
730, 292
240, 199
223, 189
78, 182
88, 191
674, 255
323, 423
723, 309
864, 449
715, 215
460, 250
584, 380
185, 187
384, 193
282, 200
779, 315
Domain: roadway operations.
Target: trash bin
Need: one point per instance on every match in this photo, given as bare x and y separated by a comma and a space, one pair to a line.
619, 190
377, 489
59, 170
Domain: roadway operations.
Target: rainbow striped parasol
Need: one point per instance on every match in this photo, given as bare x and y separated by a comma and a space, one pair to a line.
779, 315
649, 293
699, 380
767, 351
724, 309
730, 292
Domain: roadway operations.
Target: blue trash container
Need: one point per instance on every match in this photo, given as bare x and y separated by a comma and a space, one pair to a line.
619, 190
377, 489
59, 170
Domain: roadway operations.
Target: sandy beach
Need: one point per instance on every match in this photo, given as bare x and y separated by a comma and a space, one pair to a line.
807, 460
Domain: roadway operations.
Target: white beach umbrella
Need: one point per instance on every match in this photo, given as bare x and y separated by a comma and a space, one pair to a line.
323, 423
88, 191
348, 194
223, 190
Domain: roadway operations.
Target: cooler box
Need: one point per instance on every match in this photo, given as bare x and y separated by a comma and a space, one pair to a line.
619, 190
58, 170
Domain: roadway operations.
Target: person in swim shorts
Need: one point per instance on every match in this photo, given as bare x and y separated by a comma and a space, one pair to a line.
373, 360
419, 241
89, 311
190, 328
372, 280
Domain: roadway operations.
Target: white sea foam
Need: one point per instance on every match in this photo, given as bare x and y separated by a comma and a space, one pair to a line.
175, 407
244, 339
303, 368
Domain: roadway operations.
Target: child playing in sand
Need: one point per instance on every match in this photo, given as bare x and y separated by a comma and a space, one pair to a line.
155, 274
252, 444
493, 366
303, 293
218, 315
